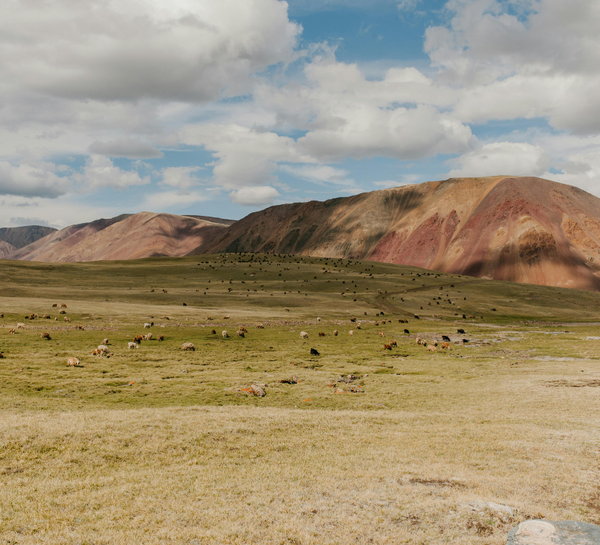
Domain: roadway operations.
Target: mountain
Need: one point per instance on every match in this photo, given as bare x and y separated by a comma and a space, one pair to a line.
125, 237
5, 249
522, 229
17, 237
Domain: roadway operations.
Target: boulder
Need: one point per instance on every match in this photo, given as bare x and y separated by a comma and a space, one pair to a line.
547, 532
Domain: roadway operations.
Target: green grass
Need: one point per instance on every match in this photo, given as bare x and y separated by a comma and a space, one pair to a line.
513, 414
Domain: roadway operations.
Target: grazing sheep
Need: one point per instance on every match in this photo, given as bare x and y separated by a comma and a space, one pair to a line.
465, 341
407, 332
73, 362
132, 345
321, 334
148, 337
138, 339
381, 334
445, 338
242, 328
240, 333
46, 316
46, 336
303, 335
387, 347
79, 327
188, 346
225, 334
62, 311
105, 341
54, 305
147, 325
213, 332
160, 338
12, 330
335, 332
460, 331
67, 319
318, 319
64, 305
432, 348
351, 333
420, 341
314, 352
445, 346
260, 326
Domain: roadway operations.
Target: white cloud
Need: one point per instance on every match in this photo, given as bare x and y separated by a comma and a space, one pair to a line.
254, 195
173, 199
318, 174
526, 58
21, 221
245, 157
39, 179
132, 148
361, 131
100, 172
408, 5
182, 178
502, 158
580, 169
130, 49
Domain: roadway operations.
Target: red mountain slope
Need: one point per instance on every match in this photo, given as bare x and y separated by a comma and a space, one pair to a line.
125, 237
521, 229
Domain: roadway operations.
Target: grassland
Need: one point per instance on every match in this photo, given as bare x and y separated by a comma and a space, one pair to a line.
158, 445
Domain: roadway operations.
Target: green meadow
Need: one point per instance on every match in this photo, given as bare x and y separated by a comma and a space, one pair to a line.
359, 444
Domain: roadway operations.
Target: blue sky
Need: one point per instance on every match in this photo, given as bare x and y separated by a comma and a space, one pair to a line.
223, 107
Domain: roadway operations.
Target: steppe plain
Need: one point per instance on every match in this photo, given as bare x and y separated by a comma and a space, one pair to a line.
157, 445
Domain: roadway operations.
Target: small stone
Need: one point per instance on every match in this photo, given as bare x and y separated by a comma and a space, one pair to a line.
547, 532
501, 511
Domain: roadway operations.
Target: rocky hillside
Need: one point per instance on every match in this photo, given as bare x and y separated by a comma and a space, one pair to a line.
521, 229
17, 237
125, 237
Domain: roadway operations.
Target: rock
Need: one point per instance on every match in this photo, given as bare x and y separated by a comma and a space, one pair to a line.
547, 532
499, 510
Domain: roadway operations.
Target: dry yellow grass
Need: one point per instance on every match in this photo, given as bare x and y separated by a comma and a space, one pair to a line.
85, 458
247, 475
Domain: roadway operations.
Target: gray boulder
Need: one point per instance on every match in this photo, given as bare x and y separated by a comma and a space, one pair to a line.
547, 532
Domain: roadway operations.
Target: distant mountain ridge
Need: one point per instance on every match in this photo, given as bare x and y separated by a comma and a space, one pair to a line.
129, 236
522, 229
18, 237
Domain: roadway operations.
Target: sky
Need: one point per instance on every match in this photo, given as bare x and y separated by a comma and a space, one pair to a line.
225, 107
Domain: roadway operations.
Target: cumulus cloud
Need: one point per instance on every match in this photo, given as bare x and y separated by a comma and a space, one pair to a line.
20, 221
173, 199
254, 195
32, 180
100, 172
579, 169
131, 148
245, 157
532, 58
130, 49
318, 174
502, 158
182, 178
